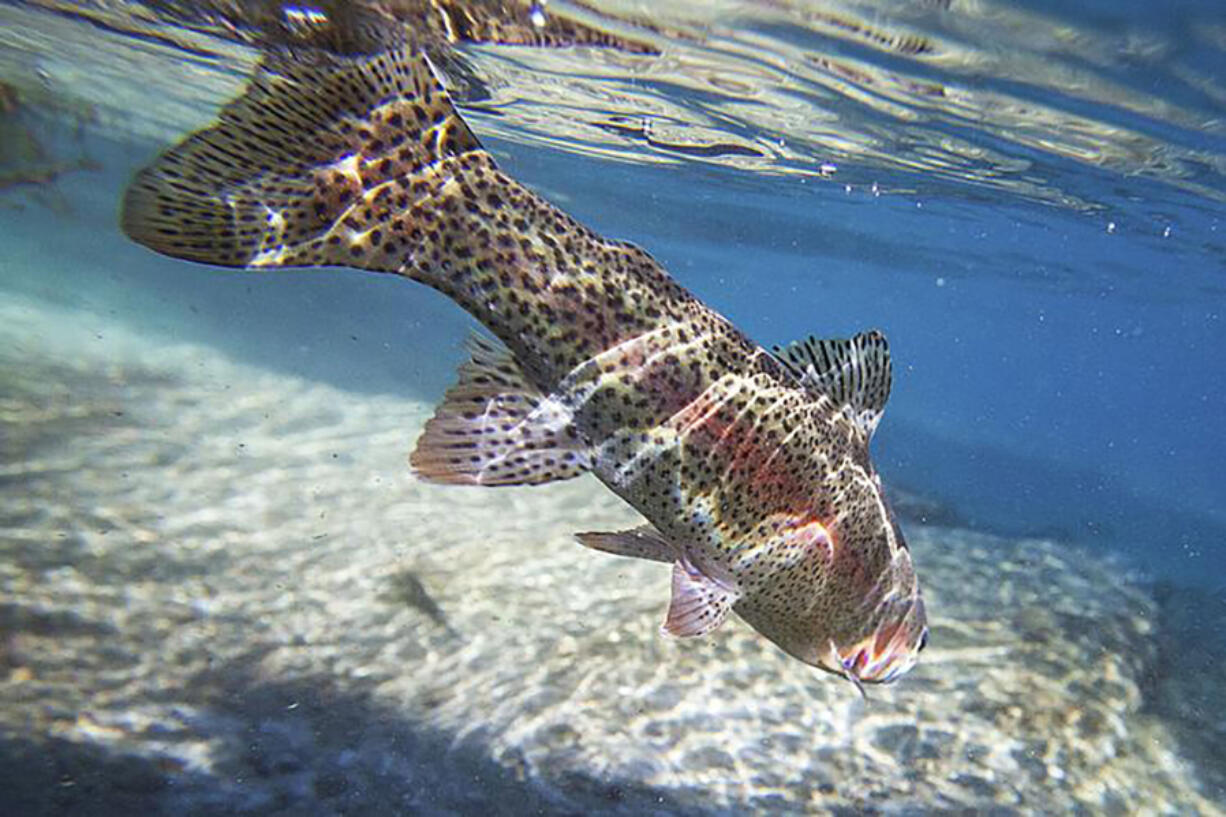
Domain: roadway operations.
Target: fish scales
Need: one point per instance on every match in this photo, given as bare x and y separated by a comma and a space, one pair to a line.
751, 468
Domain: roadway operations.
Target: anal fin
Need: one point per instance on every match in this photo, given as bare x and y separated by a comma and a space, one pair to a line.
495, 428
699, 603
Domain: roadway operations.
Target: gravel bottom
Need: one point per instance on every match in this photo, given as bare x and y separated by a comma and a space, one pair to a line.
222, 591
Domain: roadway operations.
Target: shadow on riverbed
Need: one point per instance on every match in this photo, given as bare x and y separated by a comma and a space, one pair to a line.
300, 747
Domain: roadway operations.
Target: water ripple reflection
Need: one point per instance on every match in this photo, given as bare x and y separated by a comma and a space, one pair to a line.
1067, 105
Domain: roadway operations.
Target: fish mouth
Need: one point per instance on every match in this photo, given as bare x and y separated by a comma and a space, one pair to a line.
882, 657
861, 665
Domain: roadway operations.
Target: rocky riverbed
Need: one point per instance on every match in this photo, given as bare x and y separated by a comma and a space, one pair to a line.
222, 591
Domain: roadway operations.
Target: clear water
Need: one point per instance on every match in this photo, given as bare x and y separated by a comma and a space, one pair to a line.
207, 505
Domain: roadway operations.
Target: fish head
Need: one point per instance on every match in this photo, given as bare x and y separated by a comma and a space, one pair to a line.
885, 624
850, 605
858, 610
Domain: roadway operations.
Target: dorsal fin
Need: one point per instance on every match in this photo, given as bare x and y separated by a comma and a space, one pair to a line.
853, 372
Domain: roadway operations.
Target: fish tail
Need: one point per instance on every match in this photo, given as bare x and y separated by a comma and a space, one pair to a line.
307, 167
365, 162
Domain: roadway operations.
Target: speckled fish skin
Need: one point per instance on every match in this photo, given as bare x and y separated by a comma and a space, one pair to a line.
756, 485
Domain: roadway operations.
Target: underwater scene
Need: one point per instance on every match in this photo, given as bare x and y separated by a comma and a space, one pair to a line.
799, 407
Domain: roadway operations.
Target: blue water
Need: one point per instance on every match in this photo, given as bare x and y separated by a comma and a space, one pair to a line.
1059, 368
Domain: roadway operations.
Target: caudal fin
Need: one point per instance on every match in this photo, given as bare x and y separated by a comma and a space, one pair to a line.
364, 162
306, 167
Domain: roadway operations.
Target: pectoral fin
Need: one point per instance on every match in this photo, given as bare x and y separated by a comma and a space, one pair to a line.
643, 542
699, 604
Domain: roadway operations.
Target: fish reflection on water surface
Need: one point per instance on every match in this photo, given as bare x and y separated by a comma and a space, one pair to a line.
750, 467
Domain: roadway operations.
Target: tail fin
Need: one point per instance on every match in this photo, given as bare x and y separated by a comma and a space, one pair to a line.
364, 162
302, 169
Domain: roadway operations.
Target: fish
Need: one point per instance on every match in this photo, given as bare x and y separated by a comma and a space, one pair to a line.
406, 588
749, 466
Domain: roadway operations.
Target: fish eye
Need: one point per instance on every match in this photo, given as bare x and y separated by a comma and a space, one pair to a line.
923, 642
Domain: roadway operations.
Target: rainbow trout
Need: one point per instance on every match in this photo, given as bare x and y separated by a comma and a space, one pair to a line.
751, 467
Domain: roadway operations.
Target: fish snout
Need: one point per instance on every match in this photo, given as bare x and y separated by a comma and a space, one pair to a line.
888, 652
